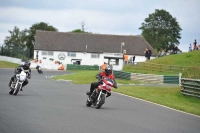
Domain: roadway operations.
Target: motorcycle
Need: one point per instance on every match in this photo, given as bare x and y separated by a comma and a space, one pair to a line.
39, 69
98, 96
16, 85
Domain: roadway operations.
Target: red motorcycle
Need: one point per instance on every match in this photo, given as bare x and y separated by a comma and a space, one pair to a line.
99, 94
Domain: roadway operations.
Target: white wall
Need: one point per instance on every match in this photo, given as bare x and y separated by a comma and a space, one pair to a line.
11, 59
85, 59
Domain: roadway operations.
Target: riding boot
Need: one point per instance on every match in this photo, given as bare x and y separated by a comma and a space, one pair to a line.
93, 95
22, 87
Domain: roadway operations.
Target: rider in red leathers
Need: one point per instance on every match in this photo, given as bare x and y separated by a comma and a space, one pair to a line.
106, 73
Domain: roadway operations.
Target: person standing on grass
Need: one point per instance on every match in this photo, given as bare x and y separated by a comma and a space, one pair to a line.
149, 52
146, 54
195, 44
190, 48
133, 60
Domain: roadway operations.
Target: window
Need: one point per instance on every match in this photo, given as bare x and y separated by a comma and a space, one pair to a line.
72, 54
114, 61
44, 52
47, 53
50, 53
94, 55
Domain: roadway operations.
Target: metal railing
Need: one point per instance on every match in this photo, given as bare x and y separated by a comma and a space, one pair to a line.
158, 67
148, 78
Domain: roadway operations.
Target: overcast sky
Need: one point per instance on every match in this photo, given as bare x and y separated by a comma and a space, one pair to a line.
118, 17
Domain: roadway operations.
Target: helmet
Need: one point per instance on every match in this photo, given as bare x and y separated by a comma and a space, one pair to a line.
108, 70
27, 64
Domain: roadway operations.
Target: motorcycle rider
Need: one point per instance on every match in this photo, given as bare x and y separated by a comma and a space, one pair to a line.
26, 69
106, 73
39, 69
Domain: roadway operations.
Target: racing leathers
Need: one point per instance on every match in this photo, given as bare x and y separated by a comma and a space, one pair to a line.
100, 76
18, 70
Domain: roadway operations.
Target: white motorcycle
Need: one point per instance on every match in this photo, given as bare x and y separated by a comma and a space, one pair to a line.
16, 85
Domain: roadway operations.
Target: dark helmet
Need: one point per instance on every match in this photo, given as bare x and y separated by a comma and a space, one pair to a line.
27, 64
108, 70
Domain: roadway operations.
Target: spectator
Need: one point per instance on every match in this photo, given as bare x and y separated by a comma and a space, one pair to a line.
178, 52
198, 47
175, 49
126, 59
149, 53
159, 53
162, 53
168, 52
133, 60
146, 54
103, 66
190, 48
195, 45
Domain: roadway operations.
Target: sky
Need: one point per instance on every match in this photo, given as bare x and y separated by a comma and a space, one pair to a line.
117, 17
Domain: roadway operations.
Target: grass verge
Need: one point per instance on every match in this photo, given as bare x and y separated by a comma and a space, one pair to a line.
4, 64
167, 96
86, 77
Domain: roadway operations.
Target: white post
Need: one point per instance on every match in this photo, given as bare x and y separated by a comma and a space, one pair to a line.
180, 75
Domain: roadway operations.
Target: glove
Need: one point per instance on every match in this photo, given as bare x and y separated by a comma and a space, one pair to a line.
115, 87
97, 77
100, 81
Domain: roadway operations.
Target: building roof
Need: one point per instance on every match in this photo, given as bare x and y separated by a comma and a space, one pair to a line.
91, 43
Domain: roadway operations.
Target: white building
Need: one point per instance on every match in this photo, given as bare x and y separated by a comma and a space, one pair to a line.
87, 49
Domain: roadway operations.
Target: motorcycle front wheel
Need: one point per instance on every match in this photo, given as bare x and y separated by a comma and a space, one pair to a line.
17, 89
11, 91
88, 103
101, 101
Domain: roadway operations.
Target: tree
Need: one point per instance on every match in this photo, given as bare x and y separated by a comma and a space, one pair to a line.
14, 39
82, 30
15, 42
161, 30
30, 39
78, 31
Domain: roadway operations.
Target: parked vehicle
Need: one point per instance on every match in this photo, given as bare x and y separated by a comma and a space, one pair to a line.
16, 85
98, 96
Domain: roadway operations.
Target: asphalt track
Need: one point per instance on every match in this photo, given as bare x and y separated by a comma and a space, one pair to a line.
48, 106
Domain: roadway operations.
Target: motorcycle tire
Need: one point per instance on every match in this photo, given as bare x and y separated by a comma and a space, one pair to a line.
88, 103
11, 91
17, 89
101, 102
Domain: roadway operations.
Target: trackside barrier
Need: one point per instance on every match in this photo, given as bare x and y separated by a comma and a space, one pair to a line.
148, 78
190, 87
81, 67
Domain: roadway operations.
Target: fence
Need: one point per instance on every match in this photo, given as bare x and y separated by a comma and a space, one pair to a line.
81, 67
190, 87
149, 78
158, 67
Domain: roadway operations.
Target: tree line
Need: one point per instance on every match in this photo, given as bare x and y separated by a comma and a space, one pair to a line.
160, 30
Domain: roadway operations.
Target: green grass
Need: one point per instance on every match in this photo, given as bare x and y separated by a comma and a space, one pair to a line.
170, 65
168, 96
4, 64
86, 77
188, 59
